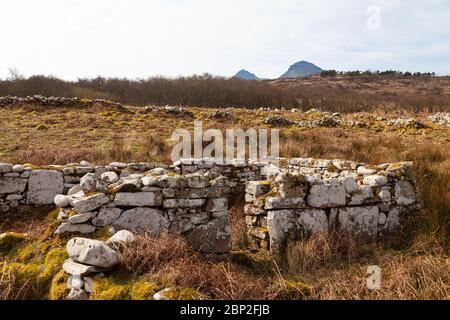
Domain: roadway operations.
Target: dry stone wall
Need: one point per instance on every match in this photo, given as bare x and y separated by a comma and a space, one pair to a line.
38, 100
191, 197
32, 185
137, 197
195, 205
314, 195
37, 185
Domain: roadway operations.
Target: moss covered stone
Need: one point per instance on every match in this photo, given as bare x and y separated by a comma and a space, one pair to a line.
293, 288
103, 233
143, 290
27, 252
111, 288
53, 262
58, 287
9, 240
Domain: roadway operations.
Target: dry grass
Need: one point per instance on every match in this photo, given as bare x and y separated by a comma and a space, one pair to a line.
8, 285
239, 231
403, 277
100, 136
168, 261
321, 267
336, 267
150, 254
321, 251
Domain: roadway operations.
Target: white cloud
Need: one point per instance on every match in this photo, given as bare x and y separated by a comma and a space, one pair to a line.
139, 38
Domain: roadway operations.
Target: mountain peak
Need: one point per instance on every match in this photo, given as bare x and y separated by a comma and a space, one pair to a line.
301, 69
246, 75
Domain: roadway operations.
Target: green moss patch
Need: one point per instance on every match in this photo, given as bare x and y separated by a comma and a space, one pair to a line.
262, 262
143, 290
111, 288
9, 240
58, 287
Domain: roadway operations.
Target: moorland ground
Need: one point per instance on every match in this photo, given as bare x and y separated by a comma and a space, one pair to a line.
323, 267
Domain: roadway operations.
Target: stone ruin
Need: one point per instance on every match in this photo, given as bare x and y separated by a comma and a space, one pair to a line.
190, 197
195, 205
38, 100
169, 110
324, 195
326, 119
441, 118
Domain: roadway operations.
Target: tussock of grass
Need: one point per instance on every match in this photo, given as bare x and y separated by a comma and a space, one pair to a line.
30, 280
168, 261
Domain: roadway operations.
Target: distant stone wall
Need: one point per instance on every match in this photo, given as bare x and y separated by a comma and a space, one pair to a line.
314, 195
38, 100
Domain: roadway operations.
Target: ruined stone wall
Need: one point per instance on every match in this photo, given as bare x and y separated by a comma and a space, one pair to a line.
37, 185
136, 197
191, 197
194, 205
38, 100
314, 195
239, 171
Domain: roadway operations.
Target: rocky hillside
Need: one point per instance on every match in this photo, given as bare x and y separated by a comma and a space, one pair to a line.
301, 69
246, 75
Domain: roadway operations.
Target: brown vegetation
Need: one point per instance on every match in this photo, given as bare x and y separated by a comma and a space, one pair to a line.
169, 262
341, 94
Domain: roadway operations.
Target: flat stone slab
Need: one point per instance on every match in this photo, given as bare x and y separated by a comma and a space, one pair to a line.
12, 185
149, 220
284, 203
405, 193
313, 221
282, 225
183, 203
326, 196
106, 216
211, 237
87, 204
92, 252
43, 186
79, 269
360, 220
78, 228
81, 217
138, 199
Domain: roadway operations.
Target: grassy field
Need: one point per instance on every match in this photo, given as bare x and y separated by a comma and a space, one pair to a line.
322, 267
64, 135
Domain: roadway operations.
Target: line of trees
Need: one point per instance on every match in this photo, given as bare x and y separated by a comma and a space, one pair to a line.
211, 91
199, 90
356, 73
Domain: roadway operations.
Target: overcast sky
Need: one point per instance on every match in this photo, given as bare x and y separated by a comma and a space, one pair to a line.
141, 38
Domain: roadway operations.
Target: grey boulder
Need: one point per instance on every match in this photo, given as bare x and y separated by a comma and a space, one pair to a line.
92, 252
